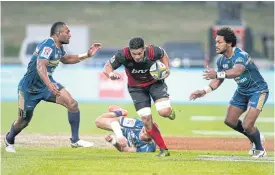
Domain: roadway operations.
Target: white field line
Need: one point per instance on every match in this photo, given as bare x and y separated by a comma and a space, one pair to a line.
235, 158
221, 118
225, 133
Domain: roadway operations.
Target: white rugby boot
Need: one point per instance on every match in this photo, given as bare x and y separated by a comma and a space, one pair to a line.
253, 147
259, 154
9, 147
82, 143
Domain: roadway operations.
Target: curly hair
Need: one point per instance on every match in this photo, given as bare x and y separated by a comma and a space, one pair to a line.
228, 34
136, 43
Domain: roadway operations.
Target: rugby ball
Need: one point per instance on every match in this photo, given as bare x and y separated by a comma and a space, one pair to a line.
158, 70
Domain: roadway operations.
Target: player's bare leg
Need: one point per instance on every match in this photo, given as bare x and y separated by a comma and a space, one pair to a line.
232, 120
253, 132
164, 108
71, 104
24, 117
152, 130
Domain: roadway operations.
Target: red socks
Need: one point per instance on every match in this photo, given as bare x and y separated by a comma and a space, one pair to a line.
156, 136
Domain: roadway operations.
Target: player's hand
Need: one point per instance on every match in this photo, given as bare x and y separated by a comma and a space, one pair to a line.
114, 75
196, 94
166, 75
54, 89
108, 138
94, 48
209, 73
122, 141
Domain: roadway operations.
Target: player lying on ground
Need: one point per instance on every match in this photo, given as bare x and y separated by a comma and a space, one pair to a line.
251, 94
38, 84
129, 133
137, 59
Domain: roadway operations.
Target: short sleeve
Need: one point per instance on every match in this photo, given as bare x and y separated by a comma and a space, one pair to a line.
116, 60
45, 52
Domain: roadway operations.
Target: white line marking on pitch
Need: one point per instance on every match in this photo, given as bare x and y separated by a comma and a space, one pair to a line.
220, 118
234, 158
225, 133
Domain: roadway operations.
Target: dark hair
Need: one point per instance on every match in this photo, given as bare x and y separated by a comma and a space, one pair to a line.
136, 43
56, 27
228, 34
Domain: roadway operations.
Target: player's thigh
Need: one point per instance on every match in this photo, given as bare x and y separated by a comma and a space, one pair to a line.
65, 98
27, 103
256, 103
158, 91
238, 105
233, 114
140, 97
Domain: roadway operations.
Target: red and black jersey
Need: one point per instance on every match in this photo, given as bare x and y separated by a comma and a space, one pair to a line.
138, 73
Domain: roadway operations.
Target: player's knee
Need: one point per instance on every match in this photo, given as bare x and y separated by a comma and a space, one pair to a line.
229, 123
98, 122
165, 112
73, 105
146, 115
247, 126
164, 108
24, 119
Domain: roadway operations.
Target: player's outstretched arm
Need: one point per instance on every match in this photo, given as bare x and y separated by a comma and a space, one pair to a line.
213, 85
236, 71
72, 59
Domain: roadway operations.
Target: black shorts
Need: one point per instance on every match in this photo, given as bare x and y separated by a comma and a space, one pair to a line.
142, 96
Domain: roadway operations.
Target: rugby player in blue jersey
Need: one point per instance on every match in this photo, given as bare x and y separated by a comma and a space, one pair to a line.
38, 84
129, 134
251, 94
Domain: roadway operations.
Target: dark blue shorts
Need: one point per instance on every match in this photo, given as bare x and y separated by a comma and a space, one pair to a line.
256, 100
27, 101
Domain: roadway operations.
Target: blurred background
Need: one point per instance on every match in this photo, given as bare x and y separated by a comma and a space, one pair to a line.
185, 30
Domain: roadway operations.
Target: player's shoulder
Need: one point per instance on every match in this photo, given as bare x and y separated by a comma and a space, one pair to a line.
154, 52
49, 42
123, 53
240, 55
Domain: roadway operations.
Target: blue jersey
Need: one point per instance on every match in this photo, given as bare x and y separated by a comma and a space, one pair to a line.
250, 81
131, 129
47, 50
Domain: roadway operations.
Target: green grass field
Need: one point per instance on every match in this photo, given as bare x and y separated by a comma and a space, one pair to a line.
67, 161
52, 119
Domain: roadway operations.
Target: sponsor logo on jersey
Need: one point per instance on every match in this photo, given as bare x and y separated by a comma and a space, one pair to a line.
225, 66
53, 62
134, 71
239, 60
46, 52
113, 59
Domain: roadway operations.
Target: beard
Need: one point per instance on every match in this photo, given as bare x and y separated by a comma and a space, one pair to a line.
222, 51
65, 42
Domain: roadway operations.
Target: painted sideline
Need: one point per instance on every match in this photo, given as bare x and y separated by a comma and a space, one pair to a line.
225, 133
221, 118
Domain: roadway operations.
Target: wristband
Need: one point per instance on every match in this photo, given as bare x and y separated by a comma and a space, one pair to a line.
221, 75
208, 89
83, 56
